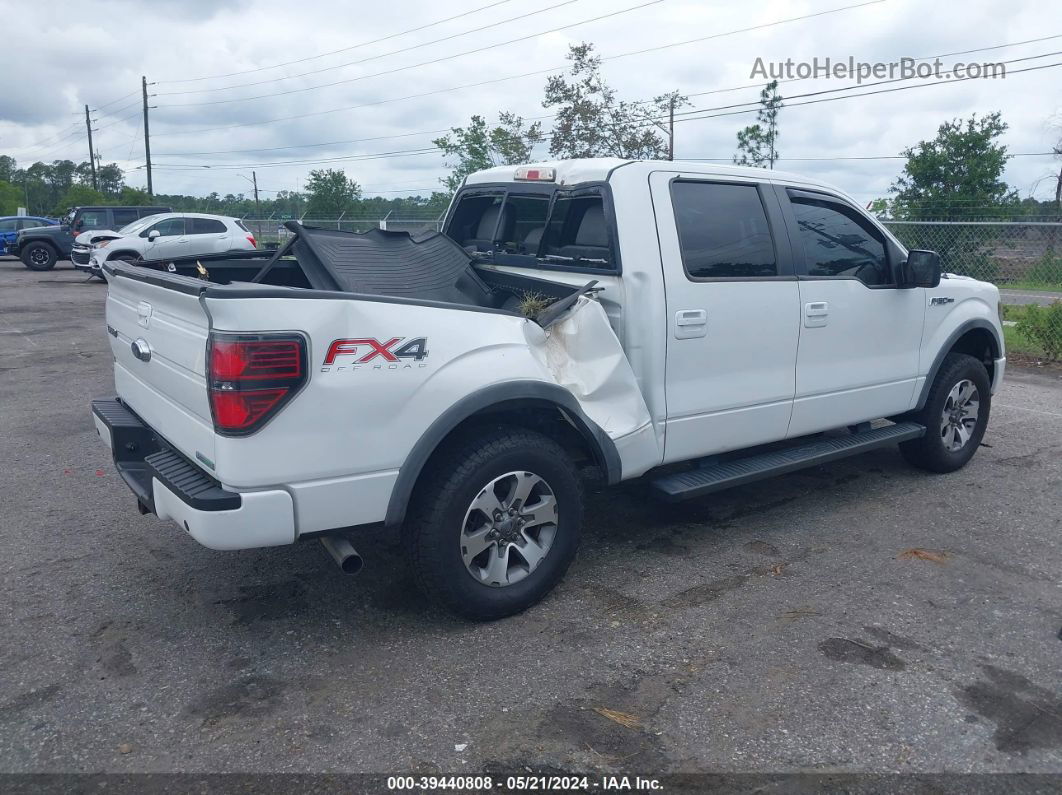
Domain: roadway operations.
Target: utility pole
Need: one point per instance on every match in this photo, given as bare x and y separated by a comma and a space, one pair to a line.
671, 127
147, 136
92, 157
257, 207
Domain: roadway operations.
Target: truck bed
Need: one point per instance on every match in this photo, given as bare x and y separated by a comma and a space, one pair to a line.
423, 268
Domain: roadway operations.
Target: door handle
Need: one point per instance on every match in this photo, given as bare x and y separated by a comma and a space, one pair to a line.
691, 323
816, 314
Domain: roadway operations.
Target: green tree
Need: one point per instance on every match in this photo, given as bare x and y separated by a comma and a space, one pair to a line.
110, 179
134, 197
592, 121
77, 196
8, 167
10, 198
879, 207
757, 144
331, 192
957, 175
475, 147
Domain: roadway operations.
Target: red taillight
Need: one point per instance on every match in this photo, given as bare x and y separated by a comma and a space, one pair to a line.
255, 359
254, 243
251, 377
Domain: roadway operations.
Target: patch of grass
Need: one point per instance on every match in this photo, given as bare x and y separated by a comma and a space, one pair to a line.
532, 304
1016, 342
1032, 286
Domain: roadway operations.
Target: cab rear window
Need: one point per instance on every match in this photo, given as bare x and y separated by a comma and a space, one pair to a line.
558, 228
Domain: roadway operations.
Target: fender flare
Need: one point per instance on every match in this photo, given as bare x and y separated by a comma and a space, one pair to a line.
969, 325
25, 242
604, 450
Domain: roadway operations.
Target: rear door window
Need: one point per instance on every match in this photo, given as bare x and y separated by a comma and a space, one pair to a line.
123, 217
8, 225
205, 226
723, 231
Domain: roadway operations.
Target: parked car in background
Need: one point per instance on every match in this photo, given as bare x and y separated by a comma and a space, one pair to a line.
10, 225
40, 248
168, 236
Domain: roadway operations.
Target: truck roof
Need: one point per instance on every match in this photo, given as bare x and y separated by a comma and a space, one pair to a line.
599, 169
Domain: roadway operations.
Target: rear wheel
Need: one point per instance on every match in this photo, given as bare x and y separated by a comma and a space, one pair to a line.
955, 416
39, 257
495, 523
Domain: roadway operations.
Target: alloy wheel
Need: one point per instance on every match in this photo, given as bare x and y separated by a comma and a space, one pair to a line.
959, 417
509, 529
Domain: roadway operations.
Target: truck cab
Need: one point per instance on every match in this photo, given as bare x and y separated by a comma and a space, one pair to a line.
753, 305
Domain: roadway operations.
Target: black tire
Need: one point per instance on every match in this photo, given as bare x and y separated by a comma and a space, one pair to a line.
931, 452
442, 501
39, 257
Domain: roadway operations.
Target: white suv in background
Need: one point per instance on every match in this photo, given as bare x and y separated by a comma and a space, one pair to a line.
169, 236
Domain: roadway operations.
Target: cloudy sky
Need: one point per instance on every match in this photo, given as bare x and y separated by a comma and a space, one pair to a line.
254, 84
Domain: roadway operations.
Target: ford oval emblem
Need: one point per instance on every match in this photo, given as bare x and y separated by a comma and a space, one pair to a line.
141, 349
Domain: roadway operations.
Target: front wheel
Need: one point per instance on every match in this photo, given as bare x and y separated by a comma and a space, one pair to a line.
495, 523
39, 257
955, 416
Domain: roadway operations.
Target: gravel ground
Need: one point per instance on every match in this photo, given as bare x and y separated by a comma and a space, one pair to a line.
784, 626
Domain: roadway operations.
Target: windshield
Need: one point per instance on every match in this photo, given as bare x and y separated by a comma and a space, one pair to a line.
68, 219
135, 226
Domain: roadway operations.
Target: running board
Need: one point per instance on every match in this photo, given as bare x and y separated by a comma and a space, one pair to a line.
697, 482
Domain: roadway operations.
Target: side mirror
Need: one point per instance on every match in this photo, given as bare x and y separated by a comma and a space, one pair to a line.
922, 269
154, 234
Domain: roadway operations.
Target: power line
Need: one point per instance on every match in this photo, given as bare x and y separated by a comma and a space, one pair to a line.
116, 111
119, 121
868, 85
429, 62
73, 129
871, 93
336, 52
553, 115
119, 99
371, 57
859, 157
687, 115
916, 60
498, 79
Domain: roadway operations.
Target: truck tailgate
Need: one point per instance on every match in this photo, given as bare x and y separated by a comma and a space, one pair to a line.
158, 338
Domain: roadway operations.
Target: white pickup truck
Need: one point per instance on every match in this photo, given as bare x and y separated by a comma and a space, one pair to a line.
700, 326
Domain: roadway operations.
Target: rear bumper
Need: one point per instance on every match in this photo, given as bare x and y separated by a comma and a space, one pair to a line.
172, 487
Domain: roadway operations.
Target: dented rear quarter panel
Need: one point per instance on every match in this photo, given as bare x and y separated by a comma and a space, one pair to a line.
362, 418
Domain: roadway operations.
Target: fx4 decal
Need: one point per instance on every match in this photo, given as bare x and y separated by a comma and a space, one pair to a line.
377, 353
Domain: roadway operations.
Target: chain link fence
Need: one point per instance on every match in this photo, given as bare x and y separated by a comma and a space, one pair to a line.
271, 232
1024, 259
1008, 254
